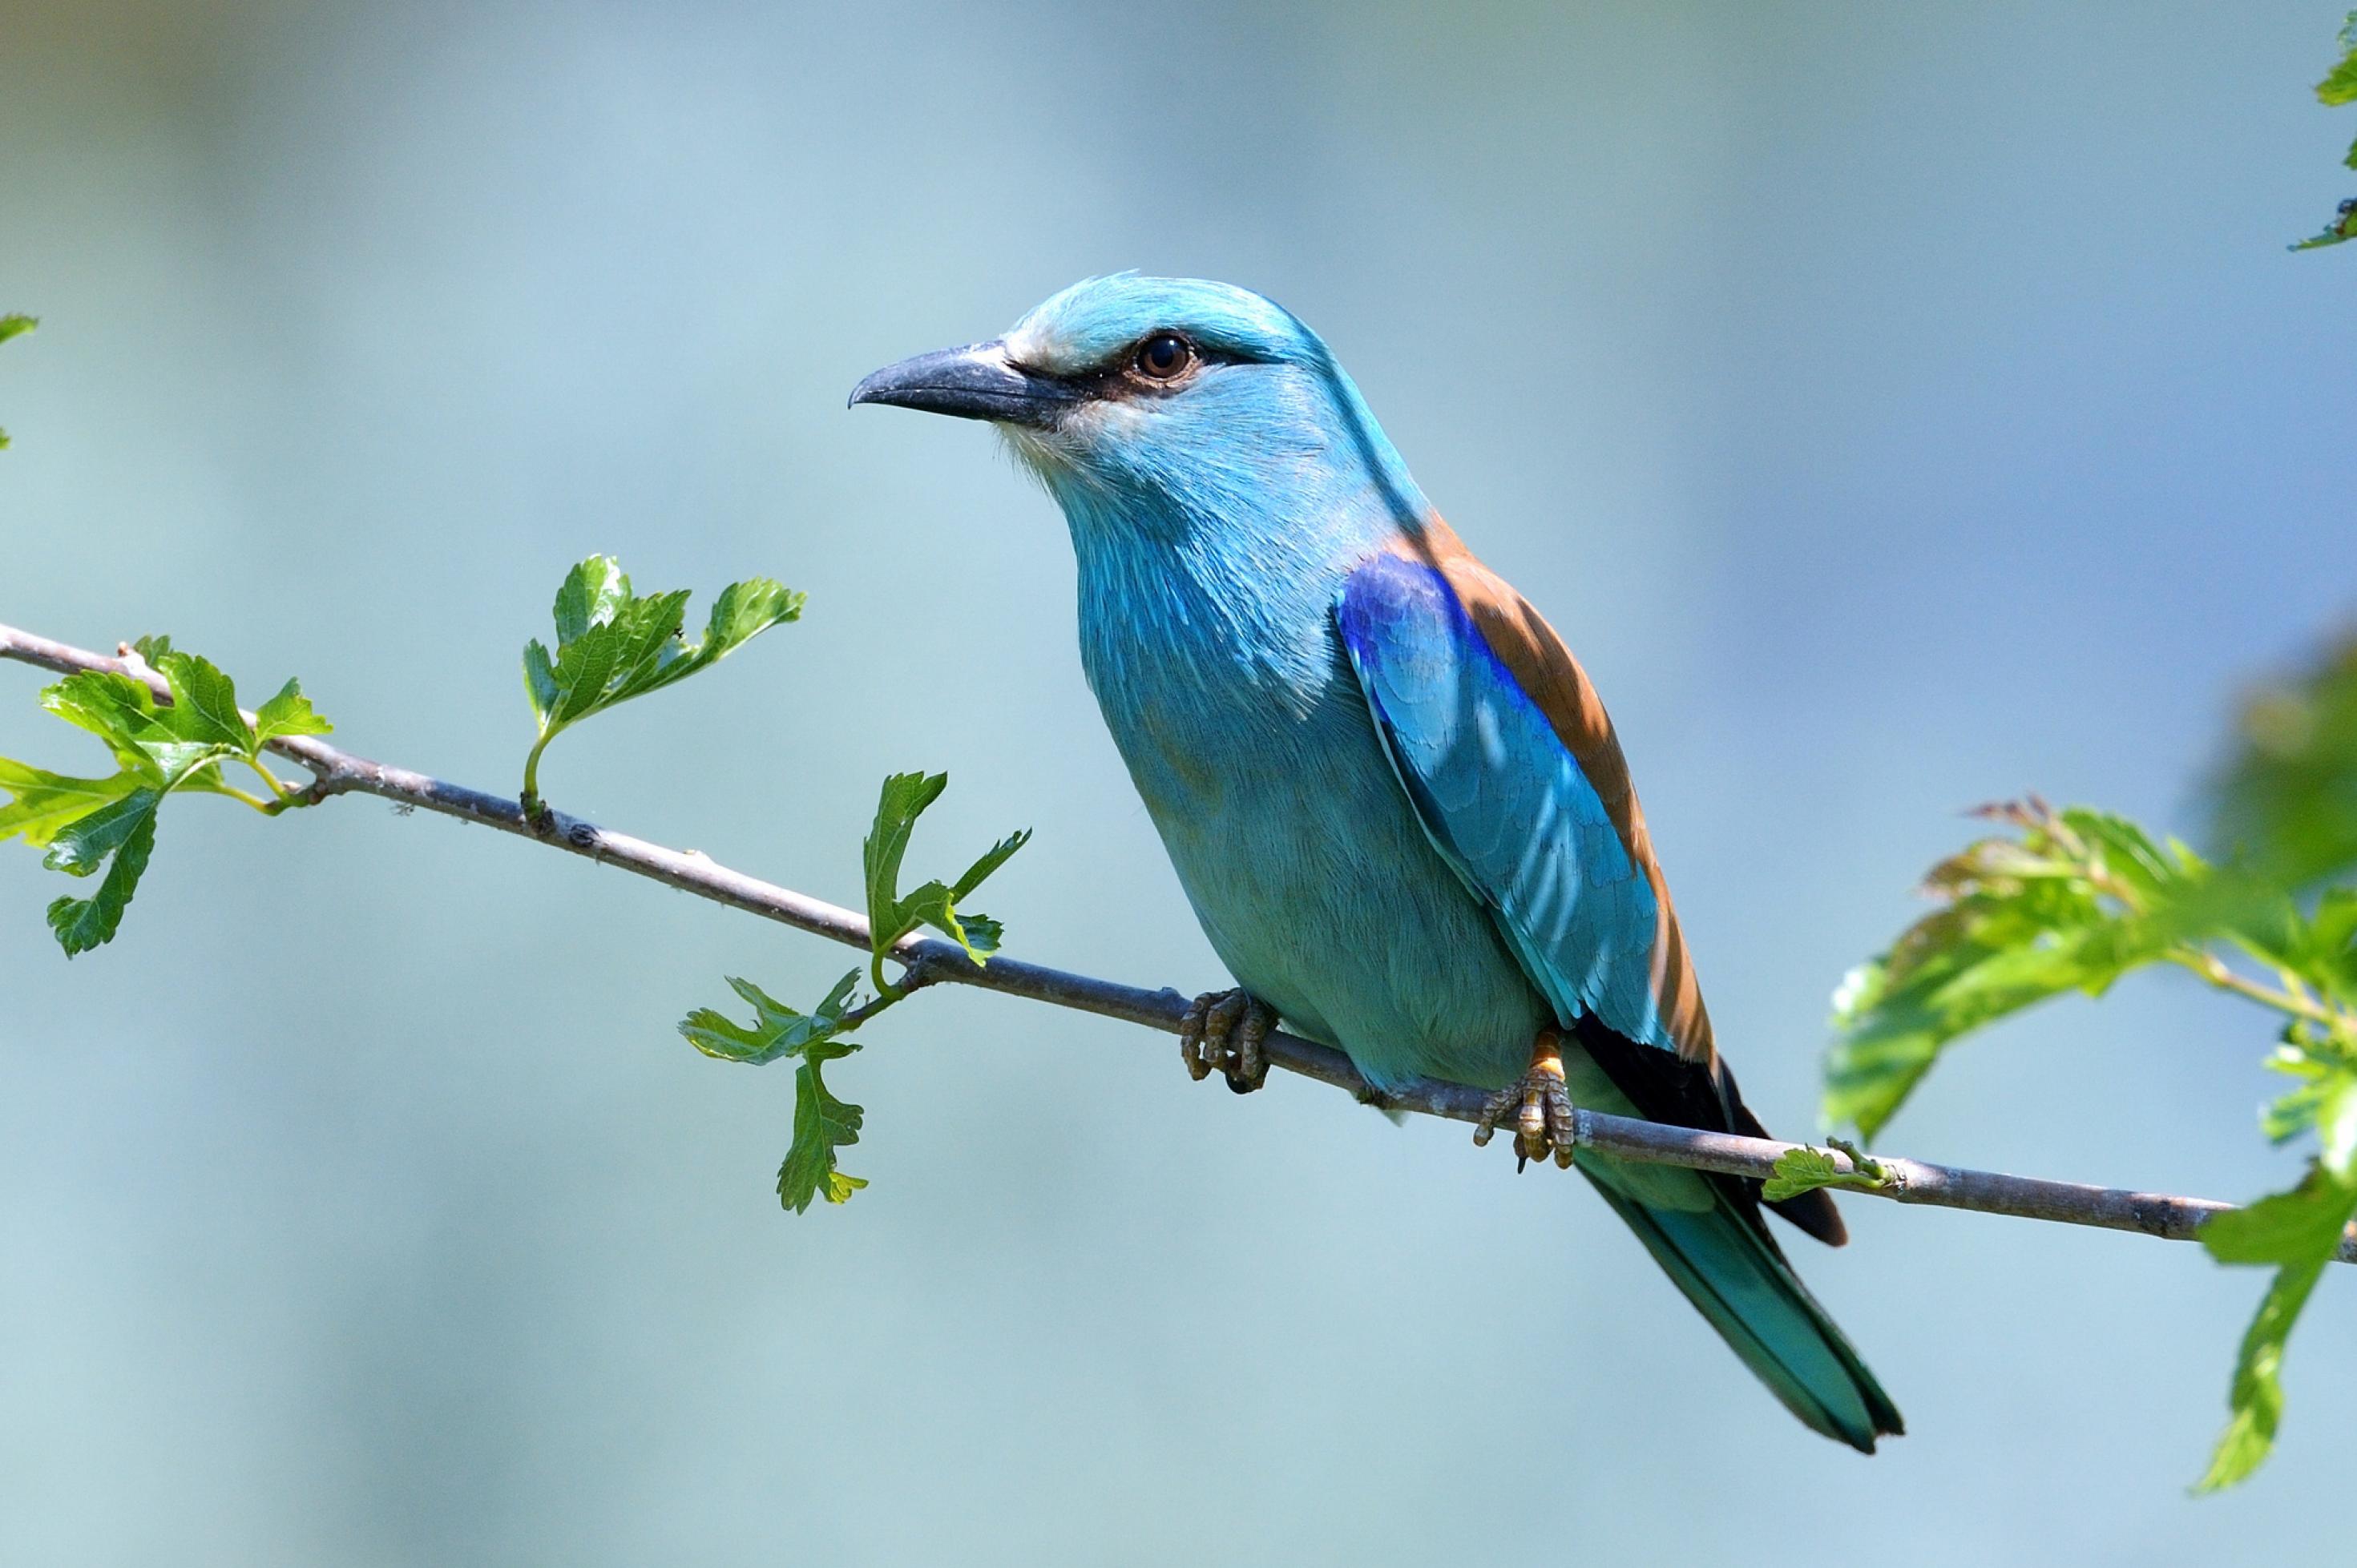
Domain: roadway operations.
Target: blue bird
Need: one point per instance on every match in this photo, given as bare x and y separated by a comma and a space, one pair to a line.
1388, 788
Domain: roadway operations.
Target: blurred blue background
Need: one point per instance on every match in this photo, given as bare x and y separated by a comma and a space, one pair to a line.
1895, 407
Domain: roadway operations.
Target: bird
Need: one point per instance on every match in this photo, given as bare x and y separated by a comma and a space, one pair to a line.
1388, 789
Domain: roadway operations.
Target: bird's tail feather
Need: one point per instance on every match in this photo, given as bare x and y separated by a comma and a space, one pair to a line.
1740, 1283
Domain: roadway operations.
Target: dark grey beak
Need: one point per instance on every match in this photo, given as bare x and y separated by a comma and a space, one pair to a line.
978, 381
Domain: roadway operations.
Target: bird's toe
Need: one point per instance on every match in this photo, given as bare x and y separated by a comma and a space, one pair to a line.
1247, 1068
1190, 1036
1224, 1030
1539, 1106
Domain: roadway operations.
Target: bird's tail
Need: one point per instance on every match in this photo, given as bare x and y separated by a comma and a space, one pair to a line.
1736, 1277
1707, 1234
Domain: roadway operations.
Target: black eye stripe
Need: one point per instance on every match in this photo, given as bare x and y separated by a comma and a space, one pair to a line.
1123, 378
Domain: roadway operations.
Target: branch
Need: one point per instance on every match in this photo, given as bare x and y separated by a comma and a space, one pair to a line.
930, 959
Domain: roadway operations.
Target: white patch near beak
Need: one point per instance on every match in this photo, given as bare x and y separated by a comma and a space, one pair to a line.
1026, 347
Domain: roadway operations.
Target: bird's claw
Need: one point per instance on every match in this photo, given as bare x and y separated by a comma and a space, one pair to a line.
1539, 1106
1224, 1029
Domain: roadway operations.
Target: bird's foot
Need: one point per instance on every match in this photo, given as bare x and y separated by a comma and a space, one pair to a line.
1540, 1107
1224, 1029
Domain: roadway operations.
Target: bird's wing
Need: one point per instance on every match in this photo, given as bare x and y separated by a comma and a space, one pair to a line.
1500, 741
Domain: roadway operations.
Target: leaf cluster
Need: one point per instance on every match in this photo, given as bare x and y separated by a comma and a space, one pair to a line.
2069, 900
2072, 900
614, 644
105, 827
822, 1123
2340, 87
892, 915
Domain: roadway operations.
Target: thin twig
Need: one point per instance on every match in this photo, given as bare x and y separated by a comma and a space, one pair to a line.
930, 959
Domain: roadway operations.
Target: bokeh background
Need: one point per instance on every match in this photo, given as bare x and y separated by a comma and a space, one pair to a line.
1896, 407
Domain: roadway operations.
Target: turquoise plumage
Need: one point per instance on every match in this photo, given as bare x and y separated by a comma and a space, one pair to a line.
1504, 802
1387, 789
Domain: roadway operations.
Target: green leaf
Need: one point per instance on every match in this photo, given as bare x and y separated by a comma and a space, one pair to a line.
902, 800
1799, 1171
936, 906
1806, 1169
776, 1029
2336, 1129
2326, 1101
2340, 84
117, 709
613, 644
588, 596
2298, 1232
539, 686
2246, 907
2256, 1395
43, 803
742, 612
81, 847
2326, 954
204, 704
892, 915
2304, 1225
2071, 902
2340, 87
2122, 858
2286, 802
288, 713
81, 924
90, 825
2343, 225
990, 860
607, 664
821, 1125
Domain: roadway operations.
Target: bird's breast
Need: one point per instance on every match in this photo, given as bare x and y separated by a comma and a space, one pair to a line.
1255, 752
1205, 679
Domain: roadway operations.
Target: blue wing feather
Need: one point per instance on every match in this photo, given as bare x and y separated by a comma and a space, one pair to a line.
1506, 804
1501, 797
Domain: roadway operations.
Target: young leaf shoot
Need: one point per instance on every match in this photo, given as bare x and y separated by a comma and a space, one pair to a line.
613, 645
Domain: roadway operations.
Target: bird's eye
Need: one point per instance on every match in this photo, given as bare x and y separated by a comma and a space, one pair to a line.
1165, 356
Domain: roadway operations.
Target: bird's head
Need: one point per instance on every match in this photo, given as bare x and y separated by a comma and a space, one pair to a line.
1166, 402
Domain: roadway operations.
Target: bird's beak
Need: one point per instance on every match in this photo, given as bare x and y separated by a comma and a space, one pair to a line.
978, 381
